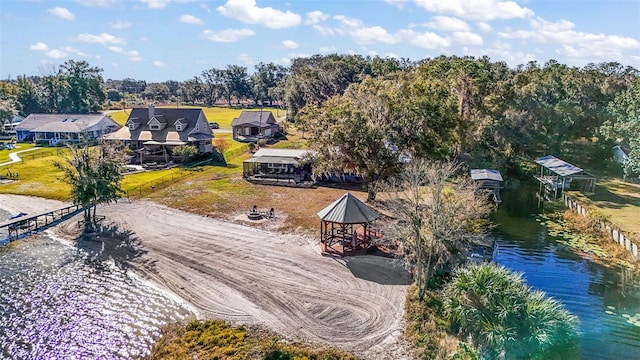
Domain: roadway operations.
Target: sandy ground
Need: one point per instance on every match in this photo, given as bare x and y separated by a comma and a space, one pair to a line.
250, 276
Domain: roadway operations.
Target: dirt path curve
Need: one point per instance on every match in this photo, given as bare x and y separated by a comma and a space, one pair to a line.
251, 276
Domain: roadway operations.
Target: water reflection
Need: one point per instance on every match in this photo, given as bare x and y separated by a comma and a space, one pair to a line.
59, 301
606, 300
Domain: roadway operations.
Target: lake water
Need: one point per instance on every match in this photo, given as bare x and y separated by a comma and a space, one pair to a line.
56, 302
606, 300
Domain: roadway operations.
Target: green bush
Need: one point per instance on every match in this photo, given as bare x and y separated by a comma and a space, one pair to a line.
504, 317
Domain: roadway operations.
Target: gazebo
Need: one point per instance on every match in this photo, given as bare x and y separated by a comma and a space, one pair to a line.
345, 226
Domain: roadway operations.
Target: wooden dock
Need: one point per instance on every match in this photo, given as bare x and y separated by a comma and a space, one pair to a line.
29, 224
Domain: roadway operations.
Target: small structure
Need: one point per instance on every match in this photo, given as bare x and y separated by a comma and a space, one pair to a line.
278, 165
620, 154
345, 226
252, 126
153, 133
64, 128
10, 125
488, 180
557, 175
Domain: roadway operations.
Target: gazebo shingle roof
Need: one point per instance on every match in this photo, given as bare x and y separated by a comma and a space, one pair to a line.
348, 209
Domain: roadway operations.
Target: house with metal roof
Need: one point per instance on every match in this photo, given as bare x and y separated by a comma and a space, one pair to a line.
52, 129
155, 132
557, 175
251, 126
283, 166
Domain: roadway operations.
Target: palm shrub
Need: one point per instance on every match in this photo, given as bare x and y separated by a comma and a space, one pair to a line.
503, 317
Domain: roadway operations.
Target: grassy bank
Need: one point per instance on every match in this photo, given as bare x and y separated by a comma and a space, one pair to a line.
218, 340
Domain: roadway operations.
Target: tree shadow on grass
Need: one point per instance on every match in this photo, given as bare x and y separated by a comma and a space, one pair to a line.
605, 198
111, 243
378, 269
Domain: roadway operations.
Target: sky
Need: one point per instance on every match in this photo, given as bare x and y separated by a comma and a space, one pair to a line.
159, 40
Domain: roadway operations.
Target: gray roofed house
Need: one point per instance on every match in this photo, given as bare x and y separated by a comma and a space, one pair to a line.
253, 125
158, 130
64, 128
285, 166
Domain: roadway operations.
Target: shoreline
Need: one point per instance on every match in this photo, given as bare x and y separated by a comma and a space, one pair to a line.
250, 276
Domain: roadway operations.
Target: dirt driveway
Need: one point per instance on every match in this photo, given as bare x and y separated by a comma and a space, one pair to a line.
251, 276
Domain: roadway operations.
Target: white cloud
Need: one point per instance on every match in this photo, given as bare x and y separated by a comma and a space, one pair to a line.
156, 4
246, 59
75, 51
484, 26
204, 6
481, 10
159, 64
190, 19
467, 38
315, 17
133, 55
103, 39
373, 34
39, 46
249, 13
161, 4
228, 35
391, 56
56, 54
577, 45
119, 25
348, 21
289, 44
446, 23
328, 49
98, 3
397, 3
368, 35
62, 13
427, 40
503, 51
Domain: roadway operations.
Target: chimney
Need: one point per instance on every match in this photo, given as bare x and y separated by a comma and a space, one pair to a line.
151, 111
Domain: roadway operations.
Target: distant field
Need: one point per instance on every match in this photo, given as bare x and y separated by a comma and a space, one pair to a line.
222, 115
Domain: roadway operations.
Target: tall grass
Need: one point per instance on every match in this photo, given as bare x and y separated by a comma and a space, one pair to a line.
219, 340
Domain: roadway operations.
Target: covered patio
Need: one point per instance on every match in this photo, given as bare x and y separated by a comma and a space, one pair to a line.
346, 226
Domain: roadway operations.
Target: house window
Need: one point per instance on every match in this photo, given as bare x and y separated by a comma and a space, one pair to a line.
179, 127
132, 126
154, 127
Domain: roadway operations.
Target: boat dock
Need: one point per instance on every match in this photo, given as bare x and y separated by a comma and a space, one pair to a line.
26, 225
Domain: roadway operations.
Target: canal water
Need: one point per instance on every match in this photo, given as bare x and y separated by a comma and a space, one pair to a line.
606, 300
56, 302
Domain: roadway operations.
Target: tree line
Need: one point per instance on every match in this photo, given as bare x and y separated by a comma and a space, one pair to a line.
441, 107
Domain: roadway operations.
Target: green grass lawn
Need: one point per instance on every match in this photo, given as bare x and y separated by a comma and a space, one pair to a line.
38, 177
618, 200
4, 154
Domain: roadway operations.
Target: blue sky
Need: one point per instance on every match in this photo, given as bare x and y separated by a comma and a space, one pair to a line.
158, 40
